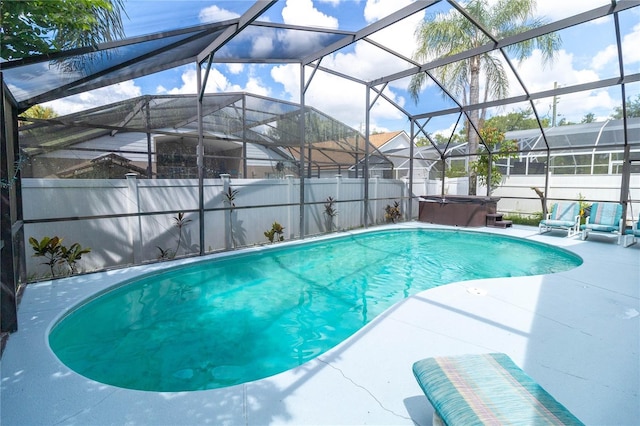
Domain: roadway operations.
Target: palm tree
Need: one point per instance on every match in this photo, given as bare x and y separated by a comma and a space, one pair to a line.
32, 27
452, 33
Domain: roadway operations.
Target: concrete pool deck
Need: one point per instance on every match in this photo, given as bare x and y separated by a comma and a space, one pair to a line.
577, 333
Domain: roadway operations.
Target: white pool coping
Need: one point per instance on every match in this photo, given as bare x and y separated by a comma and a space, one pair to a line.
577, 333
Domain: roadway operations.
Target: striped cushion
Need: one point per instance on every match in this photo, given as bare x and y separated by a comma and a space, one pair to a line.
606, 214
565, 212
487, 389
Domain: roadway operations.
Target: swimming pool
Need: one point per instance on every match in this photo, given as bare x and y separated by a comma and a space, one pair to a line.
230, 320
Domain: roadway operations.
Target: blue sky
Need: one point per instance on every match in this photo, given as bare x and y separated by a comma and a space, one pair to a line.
588, 53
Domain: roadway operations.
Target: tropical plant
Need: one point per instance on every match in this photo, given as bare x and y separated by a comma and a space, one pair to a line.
392, 213
330, 211
51, 248
450, 33
585, 208
165, 253
230, 197
275, 233
71, 255
32, 27
179, 222
500, 149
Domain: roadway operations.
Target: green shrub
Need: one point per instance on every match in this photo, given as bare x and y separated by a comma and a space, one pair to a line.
532, 219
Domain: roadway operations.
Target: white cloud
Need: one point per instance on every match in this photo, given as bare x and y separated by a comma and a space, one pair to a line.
563, 72
630, 43
262, 46
216, 83
302, 12
235, 68
333, 3
375, 10
216, 14
604, 57
630, 53
95, 98
555, 10
341, 99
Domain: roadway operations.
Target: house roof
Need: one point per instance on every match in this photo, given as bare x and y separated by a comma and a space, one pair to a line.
379, 139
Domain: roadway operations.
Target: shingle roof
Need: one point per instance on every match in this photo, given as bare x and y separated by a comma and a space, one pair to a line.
379, 139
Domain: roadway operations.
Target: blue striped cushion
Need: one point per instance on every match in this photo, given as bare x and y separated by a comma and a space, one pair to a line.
565, 212
606, 214
487, 389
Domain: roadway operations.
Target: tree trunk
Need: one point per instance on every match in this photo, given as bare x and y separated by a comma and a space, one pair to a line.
474, 116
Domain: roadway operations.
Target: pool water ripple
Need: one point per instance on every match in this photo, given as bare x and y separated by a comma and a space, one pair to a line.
230, 320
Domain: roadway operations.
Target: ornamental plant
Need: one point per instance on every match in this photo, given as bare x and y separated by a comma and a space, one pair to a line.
392, 213
275, 233
55, 253
500, 149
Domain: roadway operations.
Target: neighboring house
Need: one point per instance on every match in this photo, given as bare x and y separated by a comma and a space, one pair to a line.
389, 141
108, 166
394, 153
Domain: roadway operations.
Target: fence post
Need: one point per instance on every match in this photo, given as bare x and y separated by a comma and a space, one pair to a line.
226, 184
135, 222
338, 187
376, 202
405, 196
290, 208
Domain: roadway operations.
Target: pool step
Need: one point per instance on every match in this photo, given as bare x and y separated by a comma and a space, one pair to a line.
494, 220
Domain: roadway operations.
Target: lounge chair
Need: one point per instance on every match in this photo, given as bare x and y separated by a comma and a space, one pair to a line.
630, 235
486, 389
565, 216
605, 218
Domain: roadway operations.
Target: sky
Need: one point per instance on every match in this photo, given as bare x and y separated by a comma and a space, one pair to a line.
588, 53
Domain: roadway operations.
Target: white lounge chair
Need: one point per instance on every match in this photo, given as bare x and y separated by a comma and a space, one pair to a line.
605, 218
565, 216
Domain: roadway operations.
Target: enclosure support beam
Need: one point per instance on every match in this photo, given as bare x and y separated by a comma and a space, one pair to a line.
200, 160
489, 172
11, 254
244, 136
545, 196
409, 213
365, 167
148, 129
301, 133
626, 181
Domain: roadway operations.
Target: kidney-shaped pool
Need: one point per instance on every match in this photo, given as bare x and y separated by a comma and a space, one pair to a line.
225, 321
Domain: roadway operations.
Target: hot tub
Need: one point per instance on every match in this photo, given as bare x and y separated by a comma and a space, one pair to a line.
457, 210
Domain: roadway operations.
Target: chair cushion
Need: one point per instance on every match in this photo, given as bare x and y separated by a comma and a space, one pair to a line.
558, 223
487, 389
599, 228
565, 212
605, 214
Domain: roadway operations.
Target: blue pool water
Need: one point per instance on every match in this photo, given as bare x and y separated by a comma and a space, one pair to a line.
244, 317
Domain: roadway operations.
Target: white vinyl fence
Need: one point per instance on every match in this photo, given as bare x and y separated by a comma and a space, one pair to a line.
132, 221
129, 221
